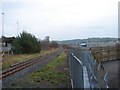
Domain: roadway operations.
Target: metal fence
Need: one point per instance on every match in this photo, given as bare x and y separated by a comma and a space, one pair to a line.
97, 72
76, 67
80, 59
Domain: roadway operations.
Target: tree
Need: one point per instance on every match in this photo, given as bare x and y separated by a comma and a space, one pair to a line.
26, 43
54, 44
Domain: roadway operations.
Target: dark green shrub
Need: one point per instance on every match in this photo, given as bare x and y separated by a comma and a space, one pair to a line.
26, 43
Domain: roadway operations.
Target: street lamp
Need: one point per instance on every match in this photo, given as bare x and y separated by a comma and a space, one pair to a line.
2, 23
17, 28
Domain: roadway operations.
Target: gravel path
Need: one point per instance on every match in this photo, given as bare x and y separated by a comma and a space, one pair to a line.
8, 82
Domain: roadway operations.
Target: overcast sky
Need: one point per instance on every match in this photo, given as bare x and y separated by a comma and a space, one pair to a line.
61, 19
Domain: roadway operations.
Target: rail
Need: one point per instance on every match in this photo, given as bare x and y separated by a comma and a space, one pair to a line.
19, 66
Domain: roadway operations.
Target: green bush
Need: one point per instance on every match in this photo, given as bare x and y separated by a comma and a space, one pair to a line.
26, 43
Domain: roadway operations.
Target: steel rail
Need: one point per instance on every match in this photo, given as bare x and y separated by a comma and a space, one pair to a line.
22, 65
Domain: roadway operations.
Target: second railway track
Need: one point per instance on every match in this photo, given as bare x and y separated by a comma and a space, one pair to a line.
19, 66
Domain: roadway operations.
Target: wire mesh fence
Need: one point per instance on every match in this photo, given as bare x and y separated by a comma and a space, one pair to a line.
83, 58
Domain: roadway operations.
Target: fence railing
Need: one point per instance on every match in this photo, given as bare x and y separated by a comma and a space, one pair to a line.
76, 67
82, 63
98, 72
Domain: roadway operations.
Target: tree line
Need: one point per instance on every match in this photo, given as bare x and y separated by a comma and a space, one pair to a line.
27, 43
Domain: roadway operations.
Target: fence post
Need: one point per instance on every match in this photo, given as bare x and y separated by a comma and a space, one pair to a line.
106, 80
98, 68
94, 67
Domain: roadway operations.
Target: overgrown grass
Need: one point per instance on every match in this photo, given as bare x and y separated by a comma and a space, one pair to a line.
9, 60
53, 72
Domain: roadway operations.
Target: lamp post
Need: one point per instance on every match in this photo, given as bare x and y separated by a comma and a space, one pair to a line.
17, 28
2, 23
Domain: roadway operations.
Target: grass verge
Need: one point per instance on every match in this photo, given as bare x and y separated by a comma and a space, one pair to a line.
54, 75
53, 72
9, 60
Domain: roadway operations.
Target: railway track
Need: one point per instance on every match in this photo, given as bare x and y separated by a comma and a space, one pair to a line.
22, 65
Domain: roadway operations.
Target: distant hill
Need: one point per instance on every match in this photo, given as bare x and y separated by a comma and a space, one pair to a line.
78, 41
